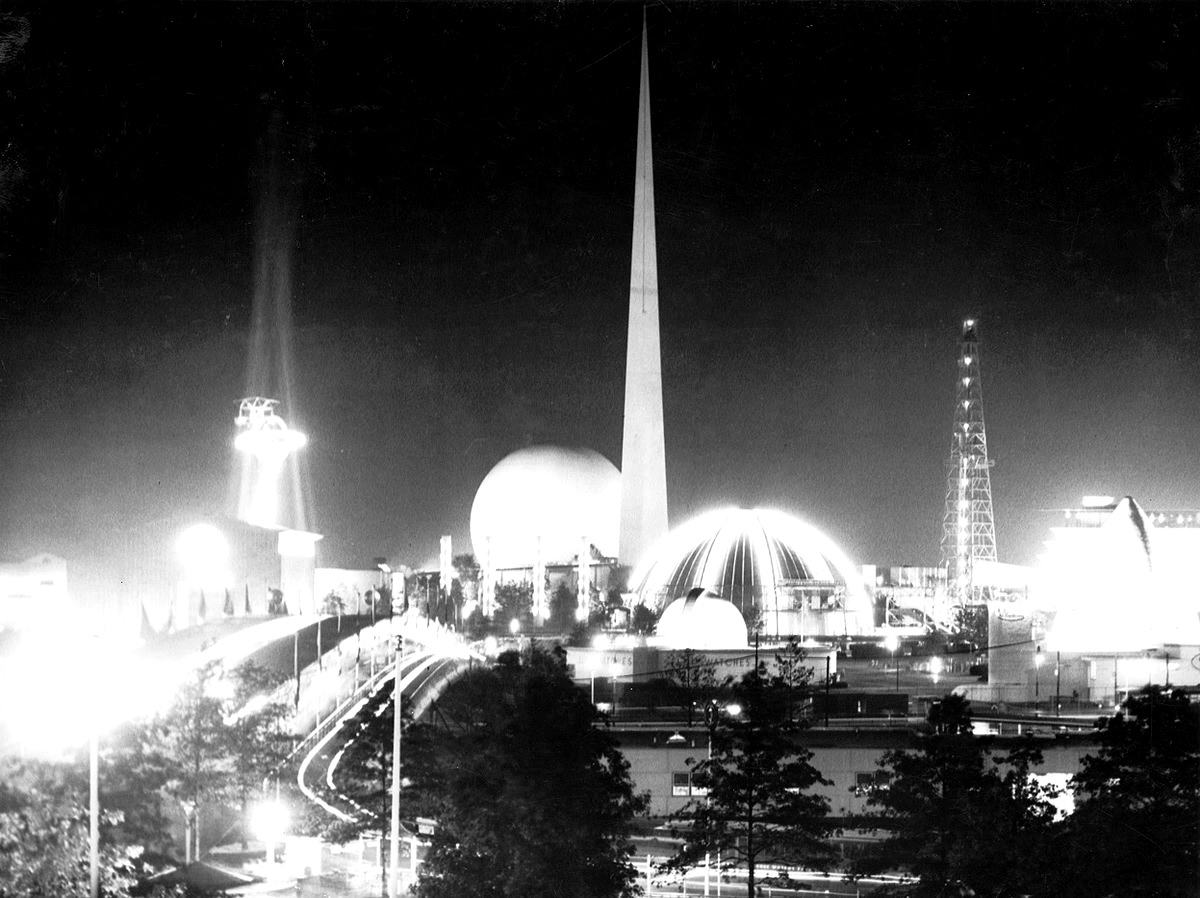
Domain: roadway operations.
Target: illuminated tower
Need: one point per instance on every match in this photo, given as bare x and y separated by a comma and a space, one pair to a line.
968, 530
643, 453
265, 441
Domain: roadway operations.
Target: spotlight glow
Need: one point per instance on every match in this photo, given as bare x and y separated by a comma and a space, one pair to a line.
266, 440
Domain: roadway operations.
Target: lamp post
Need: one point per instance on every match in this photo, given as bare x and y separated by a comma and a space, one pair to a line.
892, 643
270, 823
94, 811
712, 716
394, 855
1038, 660
1058, 684
615, 671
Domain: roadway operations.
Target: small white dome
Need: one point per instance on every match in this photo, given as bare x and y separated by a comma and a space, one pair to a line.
702, 620
547, 499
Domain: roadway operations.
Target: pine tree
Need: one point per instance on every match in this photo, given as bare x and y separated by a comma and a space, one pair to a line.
758, 783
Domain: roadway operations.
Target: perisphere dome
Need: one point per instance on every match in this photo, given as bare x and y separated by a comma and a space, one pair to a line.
546, 500
701, 620
774, 568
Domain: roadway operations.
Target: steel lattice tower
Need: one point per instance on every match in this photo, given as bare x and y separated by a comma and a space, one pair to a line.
968, 529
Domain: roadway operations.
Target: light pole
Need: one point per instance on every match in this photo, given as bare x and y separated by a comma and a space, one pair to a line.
892, 642
1058, 684
394, 855
94, 811
615, 671
1038, 660
712, 716
270, 823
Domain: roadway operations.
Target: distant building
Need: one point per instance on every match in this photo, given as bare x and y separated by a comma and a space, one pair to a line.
225, 566
1113, 605
31, 588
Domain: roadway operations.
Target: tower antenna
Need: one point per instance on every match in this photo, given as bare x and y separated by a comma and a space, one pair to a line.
968, 529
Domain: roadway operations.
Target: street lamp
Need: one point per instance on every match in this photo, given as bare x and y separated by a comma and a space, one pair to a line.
615, 671
892, 642
394, 859
270, 822
712, 716
1058, 684
1038, 660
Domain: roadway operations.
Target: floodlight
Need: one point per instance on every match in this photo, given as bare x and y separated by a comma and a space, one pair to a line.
270, 820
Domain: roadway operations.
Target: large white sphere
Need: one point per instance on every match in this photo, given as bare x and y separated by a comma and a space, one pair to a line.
551, 493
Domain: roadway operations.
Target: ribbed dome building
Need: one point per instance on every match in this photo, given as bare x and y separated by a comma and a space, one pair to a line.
770, 566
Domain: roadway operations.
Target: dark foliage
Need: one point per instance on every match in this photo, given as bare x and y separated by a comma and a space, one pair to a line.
957, 819
759, 806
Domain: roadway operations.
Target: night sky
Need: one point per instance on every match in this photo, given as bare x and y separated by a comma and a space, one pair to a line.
836, 186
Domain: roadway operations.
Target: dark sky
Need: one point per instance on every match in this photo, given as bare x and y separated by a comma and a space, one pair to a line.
837, 186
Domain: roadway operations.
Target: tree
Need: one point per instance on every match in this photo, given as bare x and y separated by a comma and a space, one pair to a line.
793, 676
44, 825
758, 803
222, 736
333, 604
257, 734
532, 798
642, 619
467, 571
956, 818
562, 607
1135, 827
695, 674
189, 737
514, 601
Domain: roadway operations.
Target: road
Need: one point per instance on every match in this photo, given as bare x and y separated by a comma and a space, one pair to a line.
421, 674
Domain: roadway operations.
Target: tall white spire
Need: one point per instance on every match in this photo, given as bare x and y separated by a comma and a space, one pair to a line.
643, 453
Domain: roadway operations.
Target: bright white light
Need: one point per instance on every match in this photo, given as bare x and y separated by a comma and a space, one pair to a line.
298, 544
966, 360
733, 709
935, 667
264, 437
270, 820
204, 554
514, 626
97, 684
490, 646
1123, 586
1097, 501
891, 642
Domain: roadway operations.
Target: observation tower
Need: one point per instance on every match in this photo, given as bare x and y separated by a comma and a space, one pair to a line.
968, 529
266, 441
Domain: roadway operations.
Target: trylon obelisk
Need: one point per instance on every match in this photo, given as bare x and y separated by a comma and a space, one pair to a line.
643, 453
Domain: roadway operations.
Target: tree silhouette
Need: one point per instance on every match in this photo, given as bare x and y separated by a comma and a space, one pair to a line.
758, 802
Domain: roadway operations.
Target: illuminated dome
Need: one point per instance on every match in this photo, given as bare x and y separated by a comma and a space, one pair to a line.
701, 620
765, 564
549, 495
